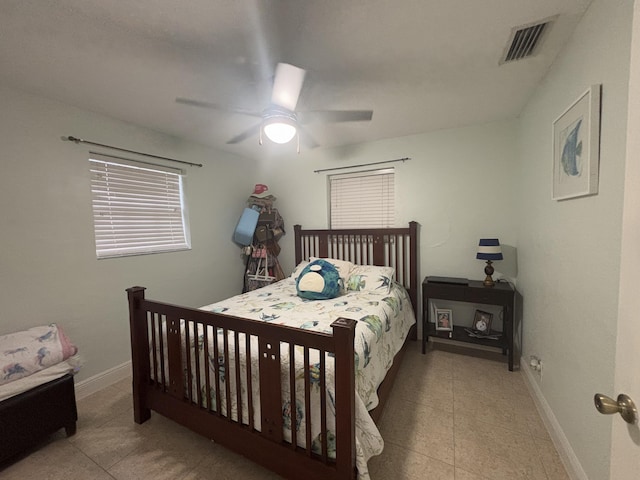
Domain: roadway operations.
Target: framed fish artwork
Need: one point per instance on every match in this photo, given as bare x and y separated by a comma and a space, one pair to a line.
576, 147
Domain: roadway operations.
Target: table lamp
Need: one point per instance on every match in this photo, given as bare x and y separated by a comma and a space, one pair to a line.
489, 250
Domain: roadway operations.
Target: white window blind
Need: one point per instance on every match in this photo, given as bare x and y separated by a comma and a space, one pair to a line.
362, 200
137, 209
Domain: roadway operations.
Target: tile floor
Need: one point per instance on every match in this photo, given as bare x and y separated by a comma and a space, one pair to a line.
450, 417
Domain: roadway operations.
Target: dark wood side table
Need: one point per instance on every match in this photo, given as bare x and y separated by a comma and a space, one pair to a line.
502, 294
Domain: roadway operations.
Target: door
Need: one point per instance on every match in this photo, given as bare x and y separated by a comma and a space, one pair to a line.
625, 438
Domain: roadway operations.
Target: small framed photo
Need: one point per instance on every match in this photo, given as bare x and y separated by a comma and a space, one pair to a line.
482, 322
444, 319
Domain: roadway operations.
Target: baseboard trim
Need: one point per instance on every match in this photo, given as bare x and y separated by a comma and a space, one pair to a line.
102, 380
567, 455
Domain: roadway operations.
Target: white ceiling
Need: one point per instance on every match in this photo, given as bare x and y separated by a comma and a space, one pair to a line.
420, 65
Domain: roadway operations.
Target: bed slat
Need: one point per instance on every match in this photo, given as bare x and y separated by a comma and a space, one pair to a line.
184, 343
207, 374
323, 406
216, 366
227, 371
292, 396
307, 401
154, 342
270, 389
238, 386
174, 347
249, 381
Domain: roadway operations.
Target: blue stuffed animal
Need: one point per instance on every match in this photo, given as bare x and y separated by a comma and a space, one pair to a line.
319, 280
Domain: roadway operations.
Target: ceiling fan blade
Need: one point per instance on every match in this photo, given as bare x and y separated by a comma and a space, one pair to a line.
287, 84
246, 134
306, 138
216, 106
335, 116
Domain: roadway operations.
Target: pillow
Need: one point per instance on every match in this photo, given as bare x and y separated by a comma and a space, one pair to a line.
319, 280
370, 278
343, 266
298, 270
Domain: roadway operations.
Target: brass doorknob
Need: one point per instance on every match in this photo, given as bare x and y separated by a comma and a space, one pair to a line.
624, 406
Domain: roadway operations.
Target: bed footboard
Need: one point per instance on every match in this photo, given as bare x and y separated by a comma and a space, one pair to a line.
239, 382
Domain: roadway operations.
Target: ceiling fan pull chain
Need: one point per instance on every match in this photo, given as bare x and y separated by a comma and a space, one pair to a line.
298, 135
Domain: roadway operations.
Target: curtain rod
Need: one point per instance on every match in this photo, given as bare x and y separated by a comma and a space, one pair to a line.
80, 140
363, 165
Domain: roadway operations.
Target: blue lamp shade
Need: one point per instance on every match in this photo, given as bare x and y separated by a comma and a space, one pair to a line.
489, 249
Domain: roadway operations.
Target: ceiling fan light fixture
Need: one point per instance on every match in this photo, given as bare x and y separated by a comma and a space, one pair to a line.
279, 129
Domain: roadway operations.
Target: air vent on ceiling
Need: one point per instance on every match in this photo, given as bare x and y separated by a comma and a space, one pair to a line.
524, 41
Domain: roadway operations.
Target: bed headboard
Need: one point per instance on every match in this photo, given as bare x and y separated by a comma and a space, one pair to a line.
394, 247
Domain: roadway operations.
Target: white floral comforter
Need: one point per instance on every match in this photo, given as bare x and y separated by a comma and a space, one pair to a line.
384, 319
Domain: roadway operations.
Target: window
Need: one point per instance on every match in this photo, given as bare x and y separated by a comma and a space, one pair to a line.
138, 208
362, 200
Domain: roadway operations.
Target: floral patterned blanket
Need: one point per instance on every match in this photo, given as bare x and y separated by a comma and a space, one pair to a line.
384, 318
29, 351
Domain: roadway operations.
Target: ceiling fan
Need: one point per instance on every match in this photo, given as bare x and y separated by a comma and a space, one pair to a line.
280, 120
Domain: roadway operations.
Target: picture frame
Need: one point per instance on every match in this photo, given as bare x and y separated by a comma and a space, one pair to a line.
444, 319
482, 322
576, 147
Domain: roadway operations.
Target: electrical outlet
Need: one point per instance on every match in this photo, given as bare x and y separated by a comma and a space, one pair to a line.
536, 364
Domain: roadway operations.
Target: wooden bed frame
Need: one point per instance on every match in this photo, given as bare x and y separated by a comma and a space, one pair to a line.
159, 379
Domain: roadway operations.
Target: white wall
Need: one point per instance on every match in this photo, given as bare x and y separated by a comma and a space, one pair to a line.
48, 266
458, 186
496, 179
569, 250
